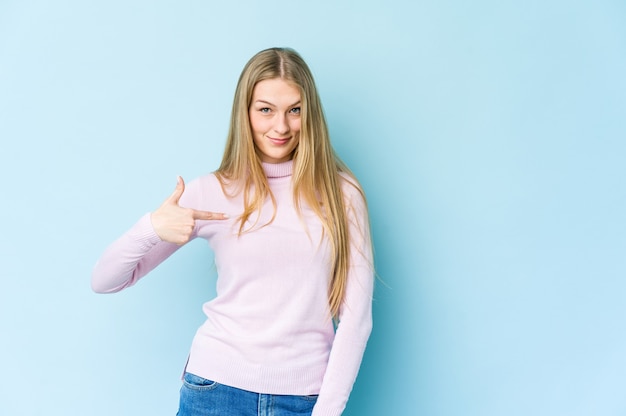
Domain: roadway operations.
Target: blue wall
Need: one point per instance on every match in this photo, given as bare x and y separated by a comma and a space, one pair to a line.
488, 135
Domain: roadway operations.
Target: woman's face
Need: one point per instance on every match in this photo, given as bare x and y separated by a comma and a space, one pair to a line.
275, 119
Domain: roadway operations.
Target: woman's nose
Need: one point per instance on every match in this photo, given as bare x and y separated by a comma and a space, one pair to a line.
281, 126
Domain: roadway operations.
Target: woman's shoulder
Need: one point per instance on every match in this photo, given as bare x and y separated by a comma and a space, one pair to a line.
203, 183
350, 186
208, 179
353, 193
201, 188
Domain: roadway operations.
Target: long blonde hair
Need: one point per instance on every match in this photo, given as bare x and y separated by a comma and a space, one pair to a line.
316, 175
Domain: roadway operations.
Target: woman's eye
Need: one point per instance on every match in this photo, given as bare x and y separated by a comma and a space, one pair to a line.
264, 110
295, 110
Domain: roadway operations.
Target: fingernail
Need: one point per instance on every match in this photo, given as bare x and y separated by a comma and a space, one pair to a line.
226, 216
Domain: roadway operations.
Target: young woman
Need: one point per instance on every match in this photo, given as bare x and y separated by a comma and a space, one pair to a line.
288, 225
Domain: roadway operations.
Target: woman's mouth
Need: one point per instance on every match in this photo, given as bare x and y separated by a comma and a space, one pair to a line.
278, 141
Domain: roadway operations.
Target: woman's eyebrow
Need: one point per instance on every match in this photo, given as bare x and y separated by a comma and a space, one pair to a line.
265, 102
273, 105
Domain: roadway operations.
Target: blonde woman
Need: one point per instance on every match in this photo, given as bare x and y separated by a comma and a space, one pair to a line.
288, 226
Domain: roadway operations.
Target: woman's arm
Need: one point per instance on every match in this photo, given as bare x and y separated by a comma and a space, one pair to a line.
130, 258
355, 318
150, 241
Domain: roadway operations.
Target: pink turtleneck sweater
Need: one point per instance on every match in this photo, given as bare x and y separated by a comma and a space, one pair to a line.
269, 329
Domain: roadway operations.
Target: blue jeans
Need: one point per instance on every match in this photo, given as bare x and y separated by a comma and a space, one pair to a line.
202, 397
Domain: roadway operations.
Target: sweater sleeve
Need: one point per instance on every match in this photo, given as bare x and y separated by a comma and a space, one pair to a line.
136, 252
130, 257
355, 317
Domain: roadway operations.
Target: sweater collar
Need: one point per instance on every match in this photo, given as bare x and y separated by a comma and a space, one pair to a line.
278, 170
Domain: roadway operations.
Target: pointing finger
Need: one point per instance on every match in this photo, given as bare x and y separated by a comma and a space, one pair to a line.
207, 215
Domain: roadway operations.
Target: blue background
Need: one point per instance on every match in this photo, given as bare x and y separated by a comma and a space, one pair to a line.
488, 135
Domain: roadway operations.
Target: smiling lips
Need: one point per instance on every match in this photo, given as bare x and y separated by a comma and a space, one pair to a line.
279, 142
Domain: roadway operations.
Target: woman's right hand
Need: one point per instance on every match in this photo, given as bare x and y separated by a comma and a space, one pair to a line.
175, 224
